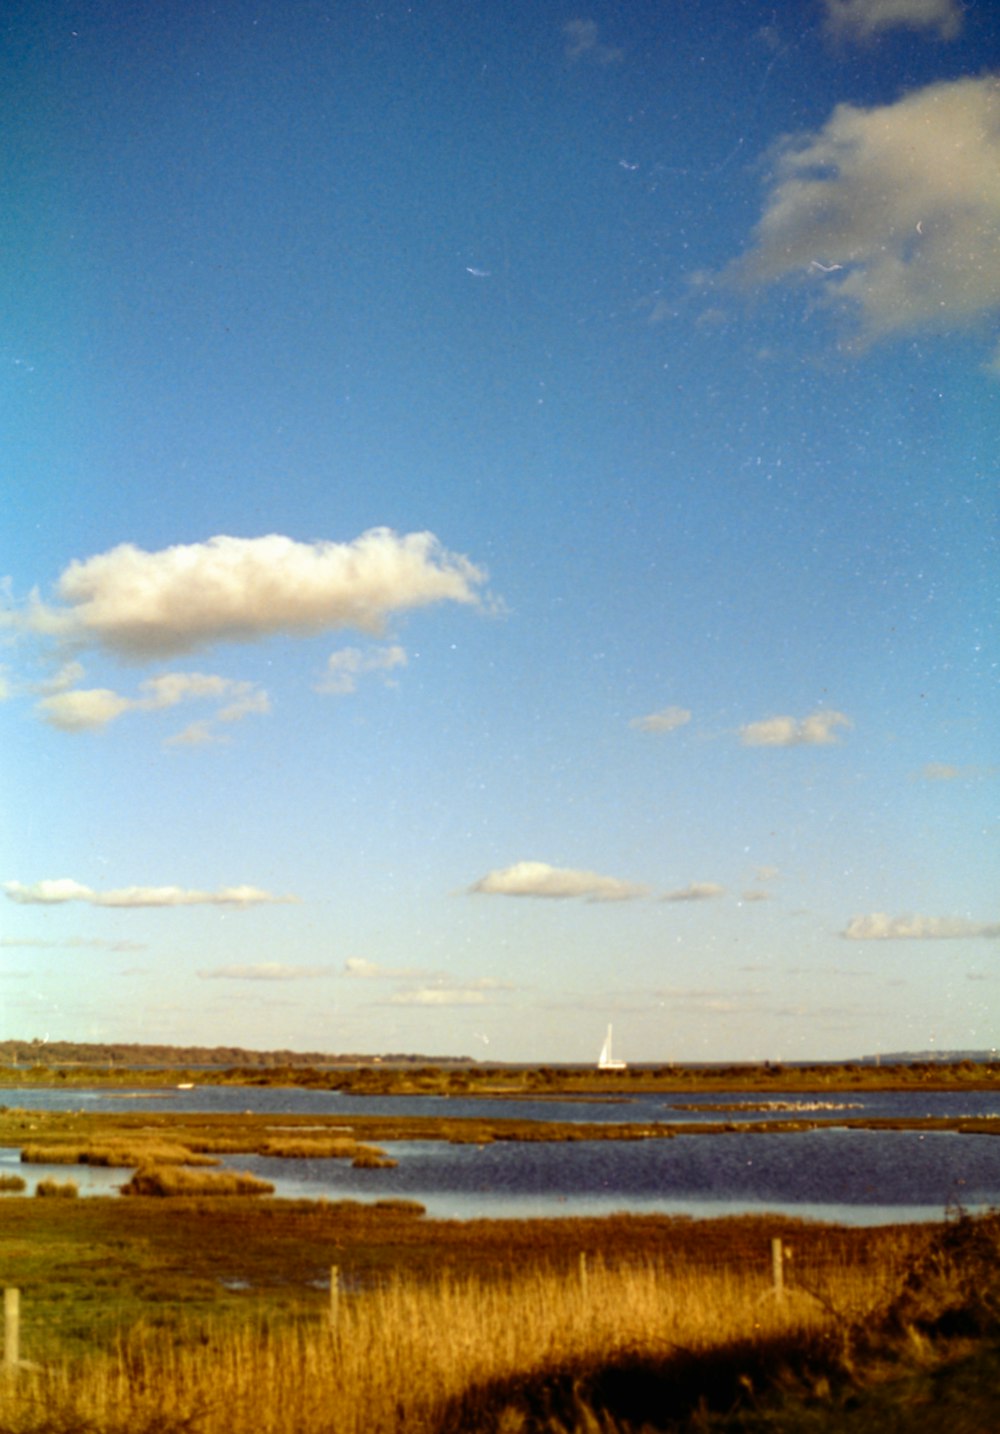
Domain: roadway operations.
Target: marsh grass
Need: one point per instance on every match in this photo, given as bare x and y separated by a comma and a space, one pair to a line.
177, 1180
12, 1184
54, 1189
436, 1354
114, 1154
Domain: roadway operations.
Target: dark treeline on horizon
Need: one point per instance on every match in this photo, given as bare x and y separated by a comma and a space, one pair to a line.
128, 1054
124, 1055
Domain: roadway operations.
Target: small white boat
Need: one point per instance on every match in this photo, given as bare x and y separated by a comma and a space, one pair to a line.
606, 1061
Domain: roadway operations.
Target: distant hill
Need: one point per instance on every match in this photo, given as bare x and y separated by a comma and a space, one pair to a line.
126, 1055
912, 1058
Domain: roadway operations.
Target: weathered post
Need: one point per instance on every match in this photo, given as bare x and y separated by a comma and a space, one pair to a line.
334, 1292
11, 1327
777, 1267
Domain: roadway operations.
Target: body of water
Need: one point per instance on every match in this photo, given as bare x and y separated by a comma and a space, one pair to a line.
851, 1176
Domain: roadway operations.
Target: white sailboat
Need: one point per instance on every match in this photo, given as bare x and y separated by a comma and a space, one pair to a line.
606, 1061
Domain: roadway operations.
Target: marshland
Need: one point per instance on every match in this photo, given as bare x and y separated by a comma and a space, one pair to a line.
202, 1303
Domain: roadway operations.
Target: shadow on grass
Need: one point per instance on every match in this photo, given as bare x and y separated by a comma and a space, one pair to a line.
929, 1365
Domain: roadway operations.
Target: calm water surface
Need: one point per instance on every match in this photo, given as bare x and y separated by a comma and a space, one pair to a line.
854, 1177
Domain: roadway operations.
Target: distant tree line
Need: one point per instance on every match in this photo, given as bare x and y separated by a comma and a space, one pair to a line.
131, 1054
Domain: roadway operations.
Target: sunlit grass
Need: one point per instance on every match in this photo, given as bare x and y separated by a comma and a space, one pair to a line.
407, 1355
177, 1180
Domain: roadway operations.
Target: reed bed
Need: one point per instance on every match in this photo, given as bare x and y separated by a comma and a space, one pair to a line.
114, 1154
177, 1180
406, 1355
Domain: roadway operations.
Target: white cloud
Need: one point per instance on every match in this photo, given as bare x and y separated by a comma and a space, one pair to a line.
697, 891
60, 890
893, 211
537, 878
863, 19
361, 970
84, 709
880, 927
666, 720
343, 668
143, 606
817, 730
264, 971
754, 895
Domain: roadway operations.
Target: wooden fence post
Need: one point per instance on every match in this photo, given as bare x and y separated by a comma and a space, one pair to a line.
11, 1327
334, 1292
777, 1267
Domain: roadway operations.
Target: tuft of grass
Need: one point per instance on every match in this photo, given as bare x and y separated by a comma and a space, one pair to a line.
337, 1147
14, 1183
177, 1180
67, 1190
114, 1154
369, 1157
400, 1206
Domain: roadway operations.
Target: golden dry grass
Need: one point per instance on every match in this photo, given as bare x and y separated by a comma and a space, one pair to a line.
54, 1189
396, 1358
177, 1180
117, 1154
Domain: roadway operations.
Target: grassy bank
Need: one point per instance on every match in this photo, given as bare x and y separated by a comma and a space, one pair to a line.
665, 1324
514, 1082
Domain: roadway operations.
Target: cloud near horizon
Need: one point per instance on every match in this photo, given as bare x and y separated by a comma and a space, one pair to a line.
697, 891
817, 730
893, 211
863, 19
264, 971
666, 720
538, 879
878, 926
143, 606
63, 889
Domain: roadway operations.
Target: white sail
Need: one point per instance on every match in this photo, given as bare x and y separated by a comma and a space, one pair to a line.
606, 1061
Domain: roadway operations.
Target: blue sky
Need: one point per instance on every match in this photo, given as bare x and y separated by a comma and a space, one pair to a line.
501, 527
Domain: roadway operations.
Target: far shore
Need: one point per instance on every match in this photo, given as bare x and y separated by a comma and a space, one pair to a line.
513, 1083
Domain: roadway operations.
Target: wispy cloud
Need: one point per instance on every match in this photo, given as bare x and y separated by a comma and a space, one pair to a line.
142, 606
818, 730
583, 43
361, 970
879, 927
668, 719
72, 943
864, 19
538, 879
697, 891
264, 971
61, 890
946, 772
344, 668
891, 213
474, 993
84, 709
